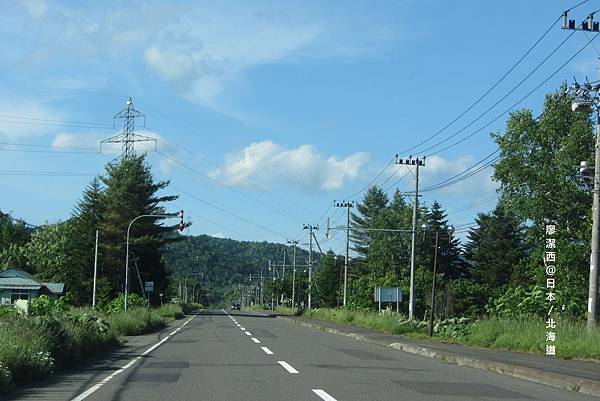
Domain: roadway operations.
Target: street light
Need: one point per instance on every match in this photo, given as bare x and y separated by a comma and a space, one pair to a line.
127, 246
185, 282
450, 231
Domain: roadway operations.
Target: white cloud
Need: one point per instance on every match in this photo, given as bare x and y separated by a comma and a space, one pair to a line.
77, 140
36, 8
266, 163
203, 49
21, 120
93, 140
218, 235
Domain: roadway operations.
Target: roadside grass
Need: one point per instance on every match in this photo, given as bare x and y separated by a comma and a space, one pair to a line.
170, 312
386, 323
135, 321
523, 333
287, 310
33, 347
528, 334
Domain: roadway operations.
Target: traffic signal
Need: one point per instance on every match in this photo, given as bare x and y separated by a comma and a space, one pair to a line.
181, 224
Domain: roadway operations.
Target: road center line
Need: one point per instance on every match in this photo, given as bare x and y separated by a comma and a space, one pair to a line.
243, 328
323, 394
287, 367
95, 387
248, 333
255, 340
267, 351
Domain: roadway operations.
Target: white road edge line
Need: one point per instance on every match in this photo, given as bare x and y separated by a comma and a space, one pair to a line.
256, 340
95, 387
287, 367
248, 333
323, 394
267, 351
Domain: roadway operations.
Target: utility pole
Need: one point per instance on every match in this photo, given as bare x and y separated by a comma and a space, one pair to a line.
587, 99
128, 137
310, 229
346, 205
95, 272
262, 292
294, 243
413, 250
284, 255
273, 296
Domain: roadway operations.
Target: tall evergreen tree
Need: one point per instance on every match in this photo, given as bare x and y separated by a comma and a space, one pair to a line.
327, 280
448, 253
495, 248
389, 252
87, 217
374, 202
131, 192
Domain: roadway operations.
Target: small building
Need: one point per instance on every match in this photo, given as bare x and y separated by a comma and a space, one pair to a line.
18, 284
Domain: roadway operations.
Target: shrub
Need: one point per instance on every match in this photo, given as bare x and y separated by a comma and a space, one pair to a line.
133, 301
170, 312
135, 321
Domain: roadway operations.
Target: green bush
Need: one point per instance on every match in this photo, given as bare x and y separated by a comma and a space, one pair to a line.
188, 307
46, 306
170, 312
135, 321
133, 301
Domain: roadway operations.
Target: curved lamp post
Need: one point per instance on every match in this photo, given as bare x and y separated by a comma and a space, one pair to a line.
127, 254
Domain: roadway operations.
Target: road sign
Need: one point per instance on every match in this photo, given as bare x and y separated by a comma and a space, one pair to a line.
388, 295
149, 286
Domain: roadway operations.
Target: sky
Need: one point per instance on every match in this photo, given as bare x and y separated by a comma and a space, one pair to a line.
265, 112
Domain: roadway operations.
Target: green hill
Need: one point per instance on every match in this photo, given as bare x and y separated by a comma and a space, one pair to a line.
227, 262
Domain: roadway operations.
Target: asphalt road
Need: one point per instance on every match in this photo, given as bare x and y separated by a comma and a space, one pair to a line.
234, 355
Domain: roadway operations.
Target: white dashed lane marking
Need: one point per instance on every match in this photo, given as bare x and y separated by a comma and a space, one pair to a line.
255, 340
267, 351
323, 394
287, 367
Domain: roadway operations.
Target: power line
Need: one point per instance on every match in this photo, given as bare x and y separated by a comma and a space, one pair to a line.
46, 146
480, 98
220, 225
49, 120
472, 170
228, 212
229, 187
395, 183
372, 180
473, 205
261, 188
519, 101
510, 92
46, 173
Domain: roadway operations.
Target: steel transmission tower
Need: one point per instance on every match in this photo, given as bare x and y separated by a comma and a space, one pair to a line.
128, 137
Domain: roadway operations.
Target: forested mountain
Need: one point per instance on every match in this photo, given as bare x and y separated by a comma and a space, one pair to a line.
225, 262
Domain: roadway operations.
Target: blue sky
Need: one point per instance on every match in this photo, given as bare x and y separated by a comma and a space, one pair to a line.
275, 108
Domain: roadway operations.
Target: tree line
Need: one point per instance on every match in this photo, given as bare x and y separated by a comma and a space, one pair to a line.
499, 269
65, 251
